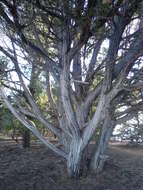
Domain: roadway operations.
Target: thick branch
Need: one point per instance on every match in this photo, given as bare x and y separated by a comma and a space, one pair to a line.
28, 94
30, 125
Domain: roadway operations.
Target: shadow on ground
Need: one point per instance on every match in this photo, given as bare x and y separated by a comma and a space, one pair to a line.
38, 168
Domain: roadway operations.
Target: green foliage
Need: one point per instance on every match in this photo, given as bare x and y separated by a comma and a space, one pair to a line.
7, 121
132, 131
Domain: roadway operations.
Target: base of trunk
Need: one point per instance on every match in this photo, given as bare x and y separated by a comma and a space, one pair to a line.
99, 165
77, 161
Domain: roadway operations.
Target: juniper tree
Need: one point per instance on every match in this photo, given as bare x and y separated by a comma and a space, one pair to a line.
92, 52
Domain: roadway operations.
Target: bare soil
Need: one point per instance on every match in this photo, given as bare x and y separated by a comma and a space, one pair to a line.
38, 168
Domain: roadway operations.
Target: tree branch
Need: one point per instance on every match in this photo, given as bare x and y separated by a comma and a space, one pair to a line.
30, 125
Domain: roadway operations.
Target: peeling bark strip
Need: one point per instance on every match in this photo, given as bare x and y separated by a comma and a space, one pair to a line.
85, 84
74, 158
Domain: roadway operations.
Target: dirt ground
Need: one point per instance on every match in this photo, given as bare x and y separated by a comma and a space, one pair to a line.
38, 168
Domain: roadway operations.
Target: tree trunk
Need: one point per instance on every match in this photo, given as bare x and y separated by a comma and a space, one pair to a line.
77, 160
99, 157
26, 138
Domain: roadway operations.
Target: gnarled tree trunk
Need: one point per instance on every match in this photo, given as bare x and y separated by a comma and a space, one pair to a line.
98, 159
60, 48
77, 159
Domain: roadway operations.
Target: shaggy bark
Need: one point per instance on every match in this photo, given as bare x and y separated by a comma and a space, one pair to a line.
62, 37
77, 163
98, 159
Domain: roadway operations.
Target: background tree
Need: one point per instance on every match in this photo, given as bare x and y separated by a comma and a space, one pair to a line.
64, 40
9, 124
132, 131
